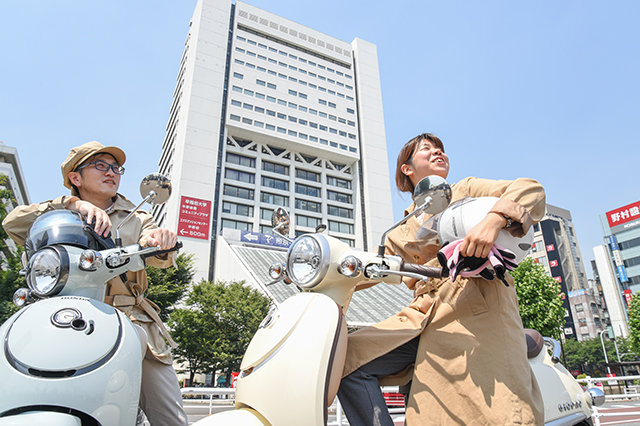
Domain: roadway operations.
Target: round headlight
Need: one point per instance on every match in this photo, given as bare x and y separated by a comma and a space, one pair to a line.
304, 261
47, 272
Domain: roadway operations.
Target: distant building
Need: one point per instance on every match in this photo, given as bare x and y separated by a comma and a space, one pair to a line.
10, 166
618, 262
556, 249
588, 312
269, 113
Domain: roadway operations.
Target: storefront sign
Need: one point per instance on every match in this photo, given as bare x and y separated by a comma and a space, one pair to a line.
626, 217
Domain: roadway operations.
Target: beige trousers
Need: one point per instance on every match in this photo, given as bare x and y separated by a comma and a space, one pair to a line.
160, 396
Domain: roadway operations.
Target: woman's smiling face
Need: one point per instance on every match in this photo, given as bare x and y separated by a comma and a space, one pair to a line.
428, 159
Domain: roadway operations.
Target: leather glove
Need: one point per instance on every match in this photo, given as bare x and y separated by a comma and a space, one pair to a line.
497, 263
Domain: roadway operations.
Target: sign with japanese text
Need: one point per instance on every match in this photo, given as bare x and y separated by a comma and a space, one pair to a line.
553, 263
629, 216
628, 295
550, 247
622, 274
194, 218
266, 239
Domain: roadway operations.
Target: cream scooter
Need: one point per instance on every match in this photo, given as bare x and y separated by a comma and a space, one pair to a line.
301, 345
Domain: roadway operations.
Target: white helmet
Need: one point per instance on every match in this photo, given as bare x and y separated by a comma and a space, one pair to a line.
464, 214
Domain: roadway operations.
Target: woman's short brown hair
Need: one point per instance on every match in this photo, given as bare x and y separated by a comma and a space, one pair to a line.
406, 154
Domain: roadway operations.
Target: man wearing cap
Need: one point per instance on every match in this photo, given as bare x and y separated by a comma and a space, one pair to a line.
92, 172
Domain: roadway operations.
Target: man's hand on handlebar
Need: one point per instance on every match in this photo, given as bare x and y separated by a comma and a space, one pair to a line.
162, 237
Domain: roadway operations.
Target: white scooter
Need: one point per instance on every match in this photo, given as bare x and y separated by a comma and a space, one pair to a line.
68, 358
301, 345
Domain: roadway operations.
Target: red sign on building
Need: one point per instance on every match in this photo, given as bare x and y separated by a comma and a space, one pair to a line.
624, 214
628, 295
194, 218
553, 263
550, 247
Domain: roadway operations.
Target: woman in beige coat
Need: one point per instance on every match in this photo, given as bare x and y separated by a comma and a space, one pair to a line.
463, 339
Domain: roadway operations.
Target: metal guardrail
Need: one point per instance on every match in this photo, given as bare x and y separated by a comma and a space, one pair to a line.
630, 392
229, 392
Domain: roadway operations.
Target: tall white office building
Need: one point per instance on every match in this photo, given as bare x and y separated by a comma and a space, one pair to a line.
268, 113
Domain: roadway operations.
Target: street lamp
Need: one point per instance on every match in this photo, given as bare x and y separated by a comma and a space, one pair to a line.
604, 350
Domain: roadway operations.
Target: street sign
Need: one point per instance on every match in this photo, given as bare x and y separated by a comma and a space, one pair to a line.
194, 218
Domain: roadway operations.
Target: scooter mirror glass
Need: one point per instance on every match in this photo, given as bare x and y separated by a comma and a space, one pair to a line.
280, 221
159, 184
435, 187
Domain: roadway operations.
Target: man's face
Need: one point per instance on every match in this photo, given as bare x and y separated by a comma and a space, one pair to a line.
94, 184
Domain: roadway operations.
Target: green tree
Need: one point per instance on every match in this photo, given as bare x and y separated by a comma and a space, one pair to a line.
539, 298
167, 286
10, 279
214, 330
634, 323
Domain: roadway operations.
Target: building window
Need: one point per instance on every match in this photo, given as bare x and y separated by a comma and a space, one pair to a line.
351, 242
238, 75
265, 214
234, 224
241, 160
235, 191
307, 190
579, 307
278, 200
307, 175
239, 176
308, 206
310, 222
239, 209
344, 228
275, 183
340, 212
338, 196
275, 168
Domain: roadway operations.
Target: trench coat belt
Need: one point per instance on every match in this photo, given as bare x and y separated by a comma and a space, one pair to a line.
149, 308
430, 286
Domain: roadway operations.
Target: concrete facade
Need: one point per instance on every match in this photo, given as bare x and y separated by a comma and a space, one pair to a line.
268, 113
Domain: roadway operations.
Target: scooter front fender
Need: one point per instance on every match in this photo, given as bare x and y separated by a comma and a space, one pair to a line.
48, 418
240, 417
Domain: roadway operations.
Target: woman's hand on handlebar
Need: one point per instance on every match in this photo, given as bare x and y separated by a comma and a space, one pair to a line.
482, 237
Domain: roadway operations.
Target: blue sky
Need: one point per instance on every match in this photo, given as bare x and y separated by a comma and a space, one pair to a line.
544, 89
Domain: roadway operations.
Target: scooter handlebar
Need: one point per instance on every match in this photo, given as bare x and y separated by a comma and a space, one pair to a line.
177, 247
427, 271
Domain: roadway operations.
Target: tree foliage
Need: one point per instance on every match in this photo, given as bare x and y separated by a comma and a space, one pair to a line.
10, 280
168, 286
214, 330
634, 323
539, 298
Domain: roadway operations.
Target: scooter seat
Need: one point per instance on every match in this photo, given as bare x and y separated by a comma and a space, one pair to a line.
535, 342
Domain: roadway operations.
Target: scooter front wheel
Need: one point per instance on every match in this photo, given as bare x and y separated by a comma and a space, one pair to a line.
241, 417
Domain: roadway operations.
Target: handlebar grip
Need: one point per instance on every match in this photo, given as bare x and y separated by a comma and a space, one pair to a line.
177, 247
428, 271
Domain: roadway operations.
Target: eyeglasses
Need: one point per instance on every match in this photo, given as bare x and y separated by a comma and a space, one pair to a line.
104, 167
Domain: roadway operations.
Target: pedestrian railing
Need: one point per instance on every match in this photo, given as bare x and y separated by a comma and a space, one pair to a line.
228, 393
615, 389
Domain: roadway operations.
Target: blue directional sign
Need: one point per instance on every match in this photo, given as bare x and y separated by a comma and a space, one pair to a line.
265, 239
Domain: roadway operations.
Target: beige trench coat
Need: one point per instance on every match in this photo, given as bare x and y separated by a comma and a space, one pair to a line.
471, 367
127, 297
